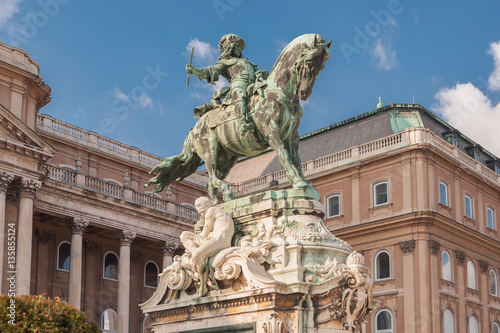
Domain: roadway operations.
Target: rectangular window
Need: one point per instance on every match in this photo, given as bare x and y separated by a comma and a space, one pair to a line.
468, 206
443, 193
380, 193
454, 142
490, 214
333, 205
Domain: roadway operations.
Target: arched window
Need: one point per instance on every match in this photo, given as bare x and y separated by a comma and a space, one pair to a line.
147, 325
382, 265
109, 321
490, 215
446, 266
471, 275
110, 266
468, 206
443, 193
449, 322
151, 274
493, 283
495, 328
380, 193
384, 321
333, 205
473, 325
63, 255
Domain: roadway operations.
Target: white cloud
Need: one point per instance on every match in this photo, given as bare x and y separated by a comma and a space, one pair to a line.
471, 112
204, 53
145, 100
117, 93
494, 79
8, 9
384, 54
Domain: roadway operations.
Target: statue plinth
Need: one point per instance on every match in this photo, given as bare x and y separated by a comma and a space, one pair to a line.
285, 272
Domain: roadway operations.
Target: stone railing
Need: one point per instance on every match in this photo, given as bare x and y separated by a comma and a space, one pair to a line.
125, 193
93, 140
399, 140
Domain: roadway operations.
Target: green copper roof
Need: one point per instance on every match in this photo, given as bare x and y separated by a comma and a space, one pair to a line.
401, 120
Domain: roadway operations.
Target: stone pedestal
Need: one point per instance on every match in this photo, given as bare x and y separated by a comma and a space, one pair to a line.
285, 272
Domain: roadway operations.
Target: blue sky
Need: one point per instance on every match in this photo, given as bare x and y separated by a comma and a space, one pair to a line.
118, 67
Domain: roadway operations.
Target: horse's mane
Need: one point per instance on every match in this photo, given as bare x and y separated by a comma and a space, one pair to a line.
291, 52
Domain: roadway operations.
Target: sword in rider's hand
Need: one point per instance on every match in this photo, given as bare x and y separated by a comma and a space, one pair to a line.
190, 63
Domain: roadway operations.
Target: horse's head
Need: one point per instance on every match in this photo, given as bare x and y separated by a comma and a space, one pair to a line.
299, 64
308, 65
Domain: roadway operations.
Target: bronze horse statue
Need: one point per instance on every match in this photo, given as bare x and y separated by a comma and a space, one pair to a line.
218, 140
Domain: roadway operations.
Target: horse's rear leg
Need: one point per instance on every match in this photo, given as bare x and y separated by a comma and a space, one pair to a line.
214, 182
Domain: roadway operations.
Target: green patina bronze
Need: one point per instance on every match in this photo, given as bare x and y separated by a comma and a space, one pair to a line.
259, 111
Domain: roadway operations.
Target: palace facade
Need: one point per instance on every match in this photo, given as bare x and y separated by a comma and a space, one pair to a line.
415, 196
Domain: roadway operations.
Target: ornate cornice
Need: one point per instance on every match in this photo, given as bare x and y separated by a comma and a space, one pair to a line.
125, 237
28, 188
434, 246
77, 226
460, 257
407, 246
43, 236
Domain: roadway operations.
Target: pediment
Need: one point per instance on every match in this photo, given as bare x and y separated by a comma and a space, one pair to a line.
15, 133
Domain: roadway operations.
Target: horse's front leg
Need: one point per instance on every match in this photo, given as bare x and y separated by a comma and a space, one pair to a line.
273, 136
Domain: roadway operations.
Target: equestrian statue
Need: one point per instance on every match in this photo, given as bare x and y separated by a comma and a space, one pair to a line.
259, 110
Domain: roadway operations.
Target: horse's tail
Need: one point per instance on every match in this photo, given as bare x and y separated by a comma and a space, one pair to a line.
175, 168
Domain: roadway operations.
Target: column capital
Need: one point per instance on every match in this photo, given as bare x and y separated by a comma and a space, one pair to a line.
92, 247
435, 246
5, 180
484, 266
407, 246
125, 237
168, 247
43, 236
28, 188
460, 257
77, 225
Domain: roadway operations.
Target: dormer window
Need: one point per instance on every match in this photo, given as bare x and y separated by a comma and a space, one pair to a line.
474, 151
451, 136
494, 164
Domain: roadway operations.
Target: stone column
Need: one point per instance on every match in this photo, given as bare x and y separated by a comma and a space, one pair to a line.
168, 249
76, 226
92, 259
125, 240
461, 316
27, 193
44, 238
5, 180
434, 267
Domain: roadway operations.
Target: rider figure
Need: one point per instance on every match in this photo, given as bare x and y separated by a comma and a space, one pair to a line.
236, 69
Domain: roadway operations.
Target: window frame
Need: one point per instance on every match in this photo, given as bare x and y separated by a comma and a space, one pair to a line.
476, 323
386, 330
452, 321
104, 266
328, 212
495, 279
443, 268
374, 193
58, 256
493, 224
471, 206
157, 273
495, 325
376, 267
470, 264
447, 194
101, 325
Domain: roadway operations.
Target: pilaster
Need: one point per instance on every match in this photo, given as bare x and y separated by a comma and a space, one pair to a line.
168, 249
408, 248
5, 180
43, 240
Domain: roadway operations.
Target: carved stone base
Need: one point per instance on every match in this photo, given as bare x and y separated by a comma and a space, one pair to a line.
285, 272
